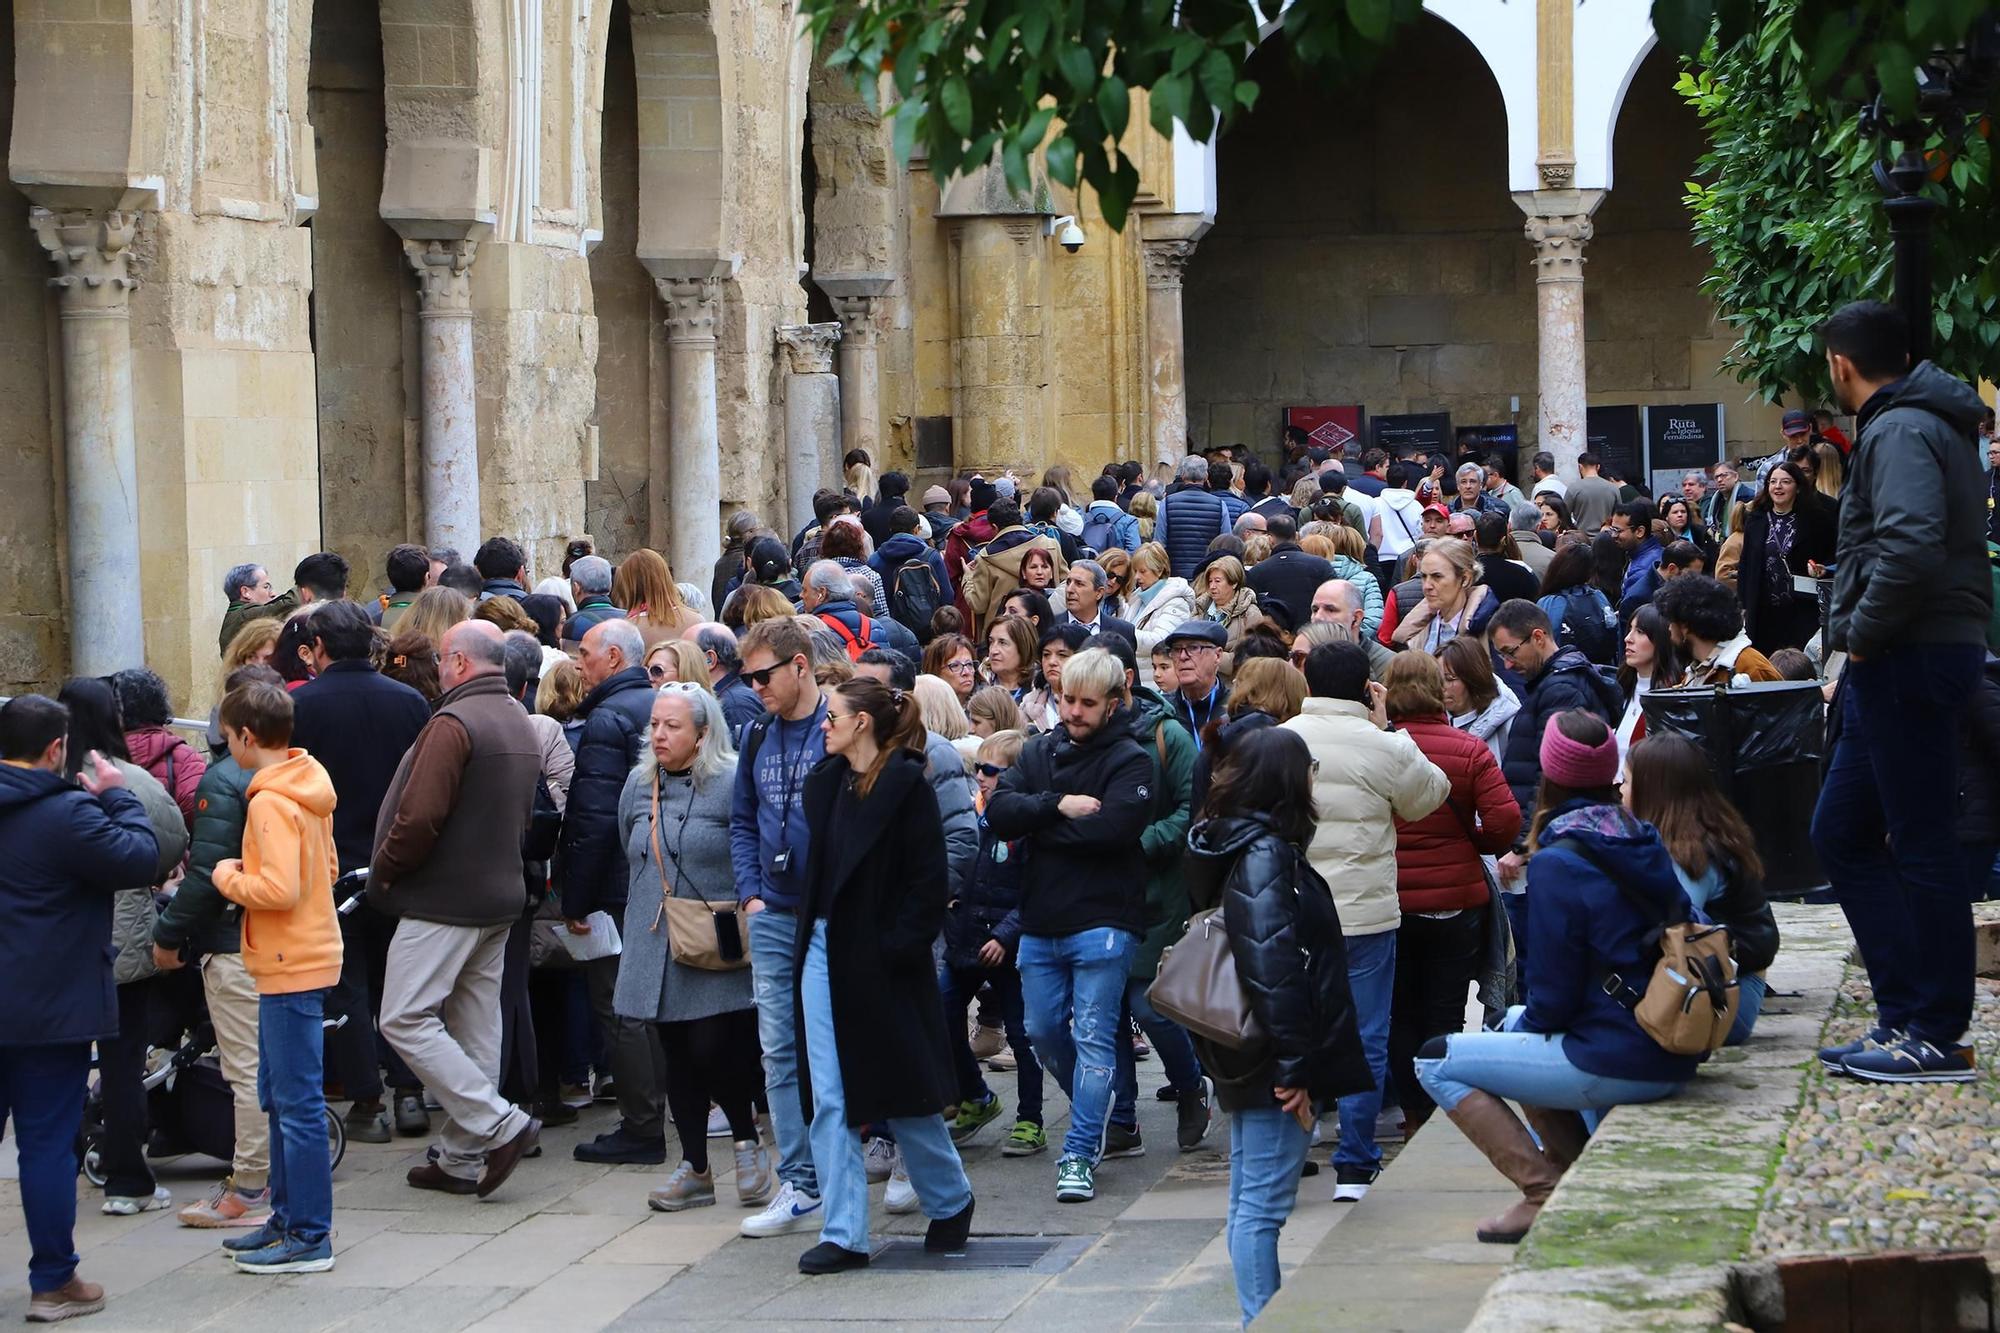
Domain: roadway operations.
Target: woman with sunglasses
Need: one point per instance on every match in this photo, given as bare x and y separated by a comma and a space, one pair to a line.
877, 1050
676, 660
1117, 564
950, 657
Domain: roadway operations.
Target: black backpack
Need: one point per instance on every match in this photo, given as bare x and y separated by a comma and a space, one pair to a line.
914, 596
1585, 625
1100, 530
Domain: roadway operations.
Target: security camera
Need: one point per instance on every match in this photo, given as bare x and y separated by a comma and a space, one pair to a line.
1068, 235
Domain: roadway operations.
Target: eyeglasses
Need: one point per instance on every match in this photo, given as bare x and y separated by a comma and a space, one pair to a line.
758, 679
960, 666
990, 770
1507, 653
1190, 649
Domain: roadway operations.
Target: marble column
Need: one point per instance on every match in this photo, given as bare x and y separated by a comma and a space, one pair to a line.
1559, 228
94, 275
812, 417
1166, 347
859, 300
694, 454
450, 438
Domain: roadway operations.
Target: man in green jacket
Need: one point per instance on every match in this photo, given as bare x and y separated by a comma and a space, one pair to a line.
251, 597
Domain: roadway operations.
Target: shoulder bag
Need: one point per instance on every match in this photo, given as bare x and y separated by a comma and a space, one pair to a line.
1197, 986
700, 934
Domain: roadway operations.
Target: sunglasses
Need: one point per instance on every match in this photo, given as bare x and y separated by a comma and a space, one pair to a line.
657, 672
990, 770
758, 679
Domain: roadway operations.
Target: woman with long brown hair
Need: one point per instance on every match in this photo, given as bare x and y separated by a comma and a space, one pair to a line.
643, 586
1789, 528
950, 658
1011, 653
434, 611
1670, 784
876, 1046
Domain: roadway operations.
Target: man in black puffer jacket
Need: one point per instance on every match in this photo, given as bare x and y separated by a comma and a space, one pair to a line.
594, 878
1557, 678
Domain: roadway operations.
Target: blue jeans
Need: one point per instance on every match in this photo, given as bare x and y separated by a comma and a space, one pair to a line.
1371, 976
1267, 1150
42, 1088
1530, 1068
1885, 830
1073, 987
1170, 1041
1750, 1003
929, 1157
291, 1087
773, 932
957, 986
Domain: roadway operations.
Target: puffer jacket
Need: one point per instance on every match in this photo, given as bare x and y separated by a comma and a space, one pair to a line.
1437, 857
1739, 903
1566, 681
989, 906
174, 764
1157, 617
1347, 567
615, 717
1188, 521
1285, 935
197, 918
1164, 840
133, 912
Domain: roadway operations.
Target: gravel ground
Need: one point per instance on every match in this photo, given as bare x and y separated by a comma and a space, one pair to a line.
1875, 1166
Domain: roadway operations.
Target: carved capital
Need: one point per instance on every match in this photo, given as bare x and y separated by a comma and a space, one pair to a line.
857, 319
1559, 242
1557, 173
692, 307
811, 347
1166, 262
443, 269
92, 250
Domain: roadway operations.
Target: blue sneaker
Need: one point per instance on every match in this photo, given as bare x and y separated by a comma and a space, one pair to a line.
1833, 1059
262, 1238
290, 1255
1914, 1061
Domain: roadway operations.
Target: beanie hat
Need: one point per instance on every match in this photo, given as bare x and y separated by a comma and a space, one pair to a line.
1005, 488
983, 495
1575, 765
936, 495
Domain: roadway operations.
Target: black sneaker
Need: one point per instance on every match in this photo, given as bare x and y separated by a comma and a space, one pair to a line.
1833, 1059
619, 1147
826, 1257
1120, 1141
1196, 1115
552, 1111
1166, 1093
1350, 1184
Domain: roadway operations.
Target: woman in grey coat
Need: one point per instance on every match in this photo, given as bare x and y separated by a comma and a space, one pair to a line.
673, 819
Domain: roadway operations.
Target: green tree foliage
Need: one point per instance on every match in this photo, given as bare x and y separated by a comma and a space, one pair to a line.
1786, 204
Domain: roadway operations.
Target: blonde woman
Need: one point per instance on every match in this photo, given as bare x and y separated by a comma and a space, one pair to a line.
676, 659
644, 588
993, 710
1228, 600
941, 709
1146, 509
1158, 603
1455, 601
434, 611
1349, 556
252, 644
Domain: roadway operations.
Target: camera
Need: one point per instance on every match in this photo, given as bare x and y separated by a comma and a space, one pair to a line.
1068, 235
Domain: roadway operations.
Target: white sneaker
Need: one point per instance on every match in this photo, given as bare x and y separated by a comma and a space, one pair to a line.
880, 1159
718, 1123
789, 1211
119, 1206
901, 1196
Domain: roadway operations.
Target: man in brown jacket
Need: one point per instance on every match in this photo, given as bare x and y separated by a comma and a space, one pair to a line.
448, 862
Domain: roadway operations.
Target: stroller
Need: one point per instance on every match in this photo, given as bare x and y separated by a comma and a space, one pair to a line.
188, 1102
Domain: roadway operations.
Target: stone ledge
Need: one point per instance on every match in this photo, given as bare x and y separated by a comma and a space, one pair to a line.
1646, 1228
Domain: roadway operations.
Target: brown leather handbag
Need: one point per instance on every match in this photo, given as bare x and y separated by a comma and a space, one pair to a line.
1197, 987
696, 930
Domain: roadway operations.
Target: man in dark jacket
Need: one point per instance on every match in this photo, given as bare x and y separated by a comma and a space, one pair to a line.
1084, 590
829, 595
1556, 679
251, 597
740, 704
1190, 518
358, 723
1289, 575
892, 493
447, 861
590, 584
902, 546
1197, 647
594, 878
1912, 600
503, 569
1080, 796
65, 849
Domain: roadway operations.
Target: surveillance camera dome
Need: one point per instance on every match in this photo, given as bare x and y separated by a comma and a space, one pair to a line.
1071, 237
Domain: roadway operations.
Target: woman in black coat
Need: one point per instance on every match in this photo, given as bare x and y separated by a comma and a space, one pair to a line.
1248, 855
870, 1020
1789, 526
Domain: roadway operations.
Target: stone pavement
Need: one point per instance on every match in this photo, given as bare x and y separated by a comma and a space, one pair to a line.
570, 1246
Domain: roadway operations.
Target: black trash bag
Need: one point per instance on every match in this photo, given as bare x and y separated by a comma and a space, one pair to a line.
1765, 742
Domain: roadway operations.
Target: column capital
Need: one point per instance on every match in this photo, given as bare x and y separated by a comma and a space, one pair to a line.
811, 346
857, 319
1166, 262
693, 305
1559, 242
443, 269
92, 250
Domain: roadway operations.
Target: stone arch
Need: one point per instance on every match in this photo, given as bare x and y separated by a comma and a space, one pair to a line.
1611, 42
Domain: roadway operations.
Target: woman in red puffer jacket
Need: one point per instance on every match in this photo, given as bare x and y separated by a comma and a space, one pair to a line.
145, 711
1440, 878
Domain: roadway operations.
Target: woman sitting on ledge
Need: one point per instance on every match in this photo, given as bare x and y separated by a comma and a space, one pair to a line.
1574, 1048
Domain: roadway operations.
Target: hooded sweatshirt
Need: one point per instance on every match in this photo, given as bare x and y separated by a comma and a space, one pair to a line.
291, 937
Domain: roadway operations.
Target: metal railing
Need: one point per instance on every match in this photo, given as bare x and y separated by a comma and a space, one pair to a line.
198, 727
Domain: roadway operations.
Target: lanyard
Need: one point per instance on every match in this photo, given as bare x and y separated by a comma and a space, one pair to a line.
1207, 711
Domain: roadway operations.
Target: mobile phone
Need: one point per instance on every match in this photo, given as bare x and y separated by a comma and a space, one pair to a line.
729, 936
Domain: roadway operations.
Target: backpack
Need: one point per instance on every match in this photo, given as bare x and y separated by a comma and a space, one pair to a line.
1100, 530
855, 646
914, 596
1689, 1002
1589, 623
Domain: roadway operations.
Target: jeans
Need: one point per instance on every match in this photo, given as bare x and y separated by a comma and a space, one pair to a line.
1267, 1150
1530, 1068
1169, 1040
41, 1088
1436, 960
1885, 831
1750, 991
773, 933
1073, 987
958, 985
290, 1087
1371, 976
929, 1157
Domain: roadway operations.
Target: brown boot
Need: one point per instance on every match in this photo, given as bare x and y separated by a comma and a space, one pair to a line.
1561, 1132
1493, 1129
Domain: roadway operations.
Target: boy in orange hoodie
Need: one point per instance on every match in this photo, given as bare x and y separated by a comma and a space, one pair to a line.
292, 950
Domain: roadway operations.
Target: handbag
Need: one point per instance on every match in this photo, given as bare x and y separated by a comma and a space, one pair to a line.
694, 925
1197, 986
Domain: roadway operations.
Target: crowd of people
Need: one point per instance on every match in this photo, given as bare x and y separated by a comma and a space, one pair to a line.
793, 853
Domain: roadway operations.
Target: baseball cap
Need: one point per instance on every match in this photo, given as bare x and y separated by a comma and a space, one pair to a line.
1796, 420
769, 560
1437, 509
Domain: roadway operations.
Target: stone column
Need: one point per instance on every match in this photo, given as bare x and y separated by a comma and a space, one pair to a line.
694, 455
450, 439
1166, 349
812, 416
93, 258
1559, 228
858, 299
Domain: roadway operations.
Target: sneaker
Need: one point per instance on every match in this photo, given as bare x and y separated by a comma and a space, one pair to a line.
974, 1116
1025, 1140
1914, 1061
367, 1125
756, 1174
262, 1238
552, 1111
878, 1160
603, 1089
1074, 1181
120, 1205
685, 1188
826, 1257
1833, 1059
72, 1299
618, 1147
790, 1211
718, 1123
1165, 1093
987, 1042
290, 1255
412, 1120
576, 1095
901, 1196
1196, 1114
228, 1207
1002, 1061
1350, 1183
1389, 1125
1120, 1141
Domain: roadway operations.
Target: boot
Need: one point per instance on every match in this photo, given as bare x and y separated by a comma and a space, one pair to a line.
756, 1180
1561, 1132
1493, 1129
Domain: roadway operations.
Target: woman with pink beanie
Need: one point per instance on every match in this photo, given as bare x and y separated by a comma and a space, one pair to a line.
1600, 883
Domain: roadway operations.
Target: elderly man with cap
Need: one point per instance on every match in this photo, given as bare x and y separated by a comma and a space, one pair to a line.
1196, 647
